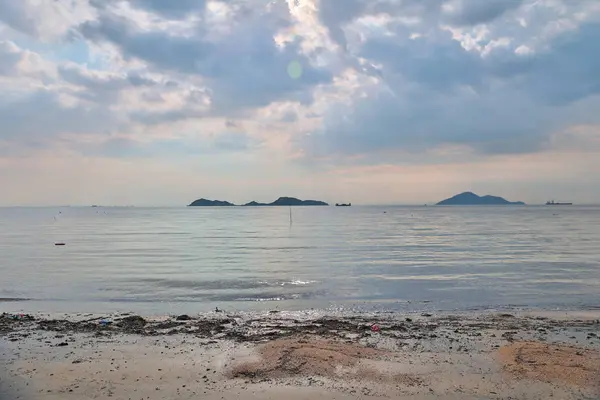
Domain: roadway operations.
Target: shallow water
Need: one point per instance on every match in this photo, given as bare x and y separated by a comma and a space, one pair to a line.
169, 260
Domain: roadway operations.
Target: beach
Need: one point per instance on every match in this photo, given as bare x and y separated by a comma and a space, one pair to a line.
301, 355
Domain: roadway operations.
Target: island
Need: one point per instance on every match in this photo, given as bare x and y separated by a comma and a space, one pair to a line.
471, 199
289, 201
282, 201
210, 203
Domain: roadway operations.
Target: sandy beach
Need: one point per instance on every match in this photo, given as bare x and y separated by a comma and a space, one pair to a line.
276, 355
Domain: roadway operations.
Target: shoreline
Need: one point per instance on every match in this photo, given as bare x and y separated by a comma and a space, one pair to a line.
301, 355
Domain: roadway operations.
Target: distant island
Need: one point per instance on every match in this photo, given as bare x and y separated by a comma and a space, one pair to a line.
471, 199
289, 201
210, 203
282, 201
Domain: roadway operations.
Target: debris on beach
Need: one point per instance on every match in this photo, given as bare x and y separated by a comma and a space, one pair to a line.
132, 323
258, 329
18, 317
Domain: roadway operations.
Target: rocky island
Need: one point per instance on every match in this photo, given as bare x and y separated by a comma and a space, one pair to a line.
210, 203
471, 199
282, 201
289, 201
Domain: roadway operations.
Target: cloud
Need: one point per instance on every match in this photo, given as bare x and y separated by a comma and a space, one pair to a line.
99, 80
434, 90
15, 15
171, 9
10, 55
289, 116
335, 13
473, 12
44, 20
424, 120
41, 116
100, 86
170, 148
440, 63
568, 70
158, 48
245, 68
154, 117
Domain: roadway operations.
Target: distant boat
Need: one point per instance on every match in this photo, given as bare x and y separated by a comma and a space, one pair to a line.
343, 205
553, 203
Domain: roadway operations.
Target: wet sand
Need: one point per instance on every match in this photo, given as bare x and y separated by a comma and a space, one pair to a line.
300, 356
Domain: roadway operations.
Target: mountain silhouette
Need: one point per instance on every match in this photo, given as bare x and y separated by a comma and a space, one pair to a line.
471, 199
282, 201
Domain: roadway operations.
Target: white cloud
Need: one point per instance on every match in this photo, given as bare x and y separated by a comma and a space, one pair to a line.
467, 87
44, 20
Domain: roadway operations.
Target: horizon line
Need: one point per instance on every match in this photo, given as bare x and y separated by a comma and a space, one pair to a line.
242, 205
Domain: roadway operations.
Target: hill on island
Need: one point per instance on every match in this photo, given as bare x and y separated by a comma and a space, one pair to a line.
210, 203
282, 201
289, 201
471, 199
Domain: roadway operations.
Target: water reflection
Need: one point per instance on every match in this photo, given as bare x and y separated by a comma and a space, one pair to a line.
461, 257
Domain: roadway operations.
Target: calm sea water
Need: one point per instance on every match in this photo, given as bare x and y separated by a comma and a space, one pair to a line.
171, 260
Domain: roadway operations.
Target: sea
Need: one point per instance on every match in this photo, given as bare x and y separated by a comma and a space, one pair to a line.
158, 261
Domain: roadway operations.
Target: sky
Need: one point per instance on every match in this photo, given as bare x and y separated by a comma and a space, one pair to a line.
160, 102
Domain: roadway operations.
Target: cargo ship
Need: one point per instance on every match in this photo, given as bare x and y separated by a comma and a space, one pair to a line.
553, 203
343, 205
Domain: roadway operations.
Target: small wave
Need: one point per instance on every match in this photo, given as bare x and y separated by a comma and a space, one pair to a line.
285, 283
276, 297
7, 299
225, 283
207, 284
261, 299
301, 282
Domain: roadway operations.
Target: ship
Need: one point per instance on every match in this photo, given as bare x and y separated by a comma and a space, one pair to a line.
343, 205
553, 203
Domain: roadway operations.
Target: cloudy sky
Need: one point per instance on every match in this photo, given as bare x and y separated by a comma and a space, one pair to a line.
159, 102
